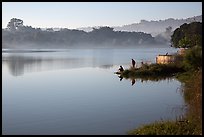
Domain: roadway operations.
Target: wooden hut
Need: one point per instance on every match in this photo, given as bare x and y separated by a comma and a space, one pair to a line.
165, 59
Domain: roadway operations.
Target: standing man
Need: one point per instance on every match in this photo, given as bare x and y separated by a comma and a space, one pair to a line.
133, 63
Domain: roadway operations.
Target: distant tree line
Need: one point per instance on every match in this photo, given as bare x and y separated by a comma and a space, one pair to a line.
17, 34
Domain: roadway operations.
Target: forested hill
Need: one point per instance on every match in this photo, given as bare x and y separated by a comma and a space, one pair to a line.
153, 27
16, 35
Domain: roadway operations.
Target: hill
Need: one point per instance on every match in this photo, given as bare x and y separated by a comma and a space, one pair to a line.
152, 27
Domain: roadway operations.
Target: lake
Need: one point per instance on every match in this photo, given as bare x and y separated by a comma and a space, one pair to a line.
75, 91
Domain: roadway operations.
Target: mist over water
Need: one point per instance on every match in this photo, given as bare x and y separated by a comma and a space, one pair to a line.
61, 65
51, 59
75, 91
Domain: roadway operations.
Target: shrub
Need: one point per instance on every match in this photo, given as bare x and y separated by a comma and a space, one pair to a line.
193, 58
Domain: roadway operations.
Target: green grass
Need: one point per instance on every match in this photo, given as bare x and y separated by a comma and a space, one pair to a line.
184, 127
153, 70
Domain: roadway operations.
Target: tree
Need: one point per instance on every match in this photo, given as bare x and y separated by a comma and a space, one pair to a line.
193, 58
184, 43
50, 29
188, 35
14, 24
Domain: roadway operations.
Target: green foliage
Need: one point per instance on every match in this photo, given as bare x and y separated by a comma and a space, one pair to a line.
153, 70
184, 42
193, 58
183, 127
188, 35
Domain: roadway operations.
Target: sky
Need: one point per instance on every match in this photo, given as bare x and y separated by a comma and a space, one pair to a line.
88, 14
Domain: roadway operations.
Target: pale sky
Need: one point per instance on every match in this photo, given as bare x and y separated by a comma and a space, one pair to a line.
83, 14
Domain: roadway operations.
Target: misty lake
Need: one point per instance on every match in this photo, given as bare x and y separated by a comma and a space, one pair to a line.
76, 92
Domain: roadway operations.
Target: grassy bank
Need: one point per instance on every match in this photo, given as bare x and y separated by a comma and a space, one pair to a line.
191, 123
192, 93
183, 127
153, 70
191, 89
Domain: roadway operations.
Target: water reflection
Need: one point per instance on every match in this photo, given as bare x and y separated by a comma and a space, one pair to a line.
106, 66
133, 82
70, 104
102, 58
145, 79
121, 78
24, 62
18, 64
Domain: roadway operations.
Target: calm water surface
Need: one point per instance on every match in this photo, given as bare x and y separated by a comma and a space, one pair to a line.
76, 92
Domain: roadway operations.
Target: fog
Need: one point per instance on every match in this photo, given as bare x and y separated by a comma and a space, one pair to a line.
32, 60
18, 36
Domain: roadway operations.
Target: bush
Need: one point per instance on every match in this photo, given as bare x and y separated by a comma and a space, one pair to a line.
188, 35
183, 127
193, 58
